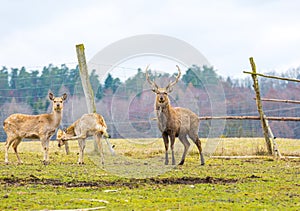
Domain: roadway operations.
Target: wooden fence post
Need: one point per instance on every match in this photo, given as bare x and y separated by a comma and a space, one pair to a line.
275, 147
86, 85
259, 107
84, 75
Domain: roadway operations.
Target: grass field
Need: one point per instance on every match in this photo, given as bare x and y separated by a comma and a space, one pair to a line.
137, 179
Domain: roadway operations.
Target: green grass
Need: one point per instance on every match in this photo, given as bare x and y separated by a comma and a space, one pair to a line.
137, 179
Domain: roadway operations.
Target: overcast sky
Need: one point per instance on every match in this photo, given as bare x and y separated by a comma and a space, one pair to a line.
35, 33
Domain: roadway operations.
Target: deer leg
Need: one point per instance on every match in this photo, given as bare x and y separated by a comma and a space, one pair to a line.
9, 141
45, 145
97, 137
112, 151
80, 136
196, 140
15, 147
183, 139
166, 142
81, 143
67, 147
172, 138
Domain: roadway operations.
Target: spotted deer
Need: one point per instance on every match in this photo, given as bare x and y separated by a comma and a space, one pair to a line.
42, 126
174, 121
92, 124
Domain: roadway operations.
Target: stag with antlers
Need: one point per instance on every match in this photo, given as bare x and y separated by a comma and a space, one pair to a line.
175, 121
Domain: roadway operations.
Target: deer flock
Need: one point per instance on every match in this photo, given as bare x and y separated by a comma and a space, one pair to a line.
172, 122
43, 127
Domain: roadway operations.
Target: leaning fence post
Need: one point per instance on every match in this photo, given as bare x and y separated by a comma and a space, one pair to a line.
86, 85
84, 75
275, 147
259, 107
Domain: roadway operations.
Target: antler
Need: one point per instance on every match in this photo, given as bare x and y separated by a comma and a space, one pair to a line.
176, 80
152, 83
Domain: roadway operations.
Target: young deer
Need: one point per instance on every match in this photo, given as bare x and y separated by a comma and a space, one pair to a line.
42, 126
92, 124
175, 121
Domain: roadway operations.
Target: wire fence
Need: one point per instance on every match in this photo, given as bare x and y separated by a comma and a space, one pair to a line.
130, 115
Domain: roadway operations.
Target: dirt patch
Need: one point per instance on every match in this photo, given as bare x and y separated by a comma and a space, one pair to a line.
132, 183
192, 180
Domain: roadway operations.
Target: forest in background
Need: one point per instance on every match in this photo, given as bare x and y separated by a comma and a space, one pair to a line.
127, 106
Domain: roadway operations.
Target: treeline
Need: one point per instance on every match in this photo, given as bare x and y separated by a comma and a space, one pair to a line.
128, 105
32, 86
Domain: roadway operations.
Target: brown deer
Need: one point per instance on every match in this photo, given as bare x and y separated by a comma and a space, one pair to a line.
42, 126
92, 124
175, 121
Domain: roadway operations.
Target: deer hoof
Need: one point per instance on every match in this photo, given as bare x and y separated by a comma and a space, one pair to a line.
45, 162
181, 163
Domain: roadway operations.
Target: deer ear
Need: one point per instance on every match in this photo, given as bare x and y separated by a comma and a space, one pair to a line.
51, 96
64, 97
59, 132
